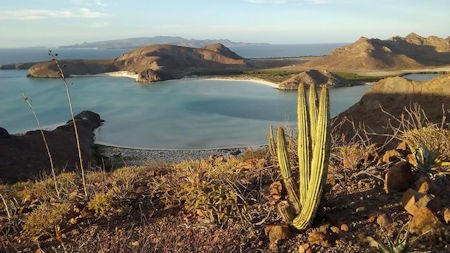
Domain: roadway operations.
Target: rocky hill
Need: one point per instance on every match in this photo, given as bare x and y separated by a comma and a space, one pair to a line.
23, 157
412, 51
151, 63
318, 77
393, 95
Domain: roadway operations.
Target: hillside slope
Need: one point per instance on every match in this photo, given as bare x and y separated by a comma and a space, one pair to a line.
412, 51
151, 63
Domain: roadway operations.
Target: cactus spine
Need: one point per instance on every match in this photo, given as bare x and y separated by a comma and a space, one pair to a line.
313, 156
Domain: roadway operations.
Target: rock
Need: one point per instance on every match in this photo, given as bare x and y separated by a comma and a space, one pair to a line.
398, 178
319, 238
411, 158
303, 248
423, 221
413, 200
149, 75
344, 227
275, 190
402, 146
324, 228
3, 133
361, 209
391, 156
335, 229
447, 215
384, 221
276, 232
426, 185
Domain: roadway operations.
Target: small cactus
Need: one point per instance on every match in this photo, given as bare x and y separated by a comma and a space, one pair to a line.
313, 155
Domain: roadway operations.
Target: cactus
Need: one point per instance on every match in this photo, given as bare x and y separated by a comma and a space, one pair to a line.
313, 156
272, 148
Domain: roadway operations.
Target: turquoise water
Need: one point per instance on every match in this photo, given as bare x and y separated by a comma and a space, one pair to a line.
420, 77
188, 113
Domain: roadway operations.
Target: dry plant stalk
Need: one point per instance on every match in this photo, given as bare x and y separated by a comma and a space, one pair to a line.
66, 84
30, 106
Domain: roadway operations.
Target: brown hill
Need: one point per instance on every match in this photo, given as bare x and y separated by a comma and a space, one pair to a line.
412, 51
393, 95
170, 61
151, 63
318, 77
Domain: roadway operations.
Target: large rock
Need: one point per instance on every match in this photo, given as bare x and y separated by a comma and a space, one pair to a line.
149, 75
24, 157
413, 200
3, 133
318, 77
398, 178
424, 221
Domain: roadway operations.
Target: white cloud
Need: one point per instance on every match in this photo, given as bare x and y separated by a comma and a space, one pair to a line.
34, 14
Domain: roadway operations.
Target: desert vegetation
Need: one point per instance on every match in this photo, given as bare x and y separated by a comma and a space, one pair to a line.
372, 194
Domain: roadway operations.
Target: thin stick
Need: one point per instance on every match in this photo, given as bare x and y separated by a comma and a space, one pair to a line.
29, 101
61, 73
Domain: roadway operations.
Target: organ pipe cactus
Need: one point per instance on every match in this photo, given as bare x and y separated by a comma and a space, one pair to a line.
313, 156
272, 148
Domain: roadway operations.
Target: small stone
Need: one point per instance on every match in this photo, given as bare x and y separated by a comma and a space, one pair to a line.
73, 221
413, 200
344, 227
302, 248
324, 228
398, 178
447, 215
402, 146
411, 158
335, 229
319, 238
276, 232
426, 185
361, 209
423, 221
371, 219
391, 156
384, 221
275, 190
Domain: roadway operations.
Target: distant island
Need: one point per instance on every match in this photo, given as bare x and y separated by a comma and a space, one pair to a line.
374, 58
130, 43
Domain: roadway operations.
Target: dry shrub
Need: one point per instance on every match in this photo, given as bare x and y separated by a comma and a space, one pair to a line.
353, 155
45, 218
203, 189
45, 190
430, 137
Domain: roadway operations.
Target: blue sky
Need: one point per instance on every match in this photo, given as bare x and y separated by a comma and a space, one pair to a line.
52, 23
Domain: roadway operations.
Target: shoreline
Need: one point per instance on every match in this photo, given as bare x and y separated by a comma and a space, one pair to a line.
243, 79
129, 156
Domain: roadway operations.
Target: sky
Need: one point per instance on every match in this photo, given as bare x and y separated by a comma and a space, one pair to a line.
25, 23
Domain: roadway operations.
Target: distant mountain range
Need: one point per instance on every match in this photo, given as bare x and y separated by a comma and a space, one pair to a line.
145, 41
